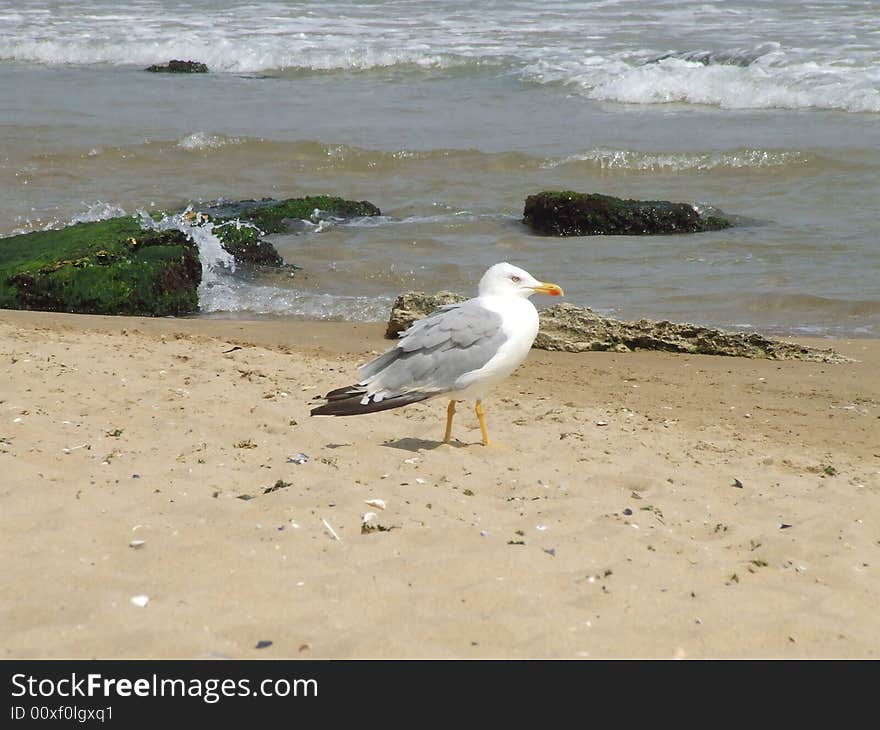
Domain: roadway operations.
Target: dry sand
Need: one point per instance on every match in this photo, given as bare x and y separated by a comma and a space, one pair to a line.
603, 522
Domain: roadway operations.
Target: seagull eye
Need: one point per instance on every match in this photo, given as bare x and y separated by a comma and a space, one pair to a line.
515, 279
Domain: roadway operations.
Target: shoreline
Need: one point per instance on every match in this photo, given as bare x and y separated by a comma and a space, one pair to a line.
605, 522
269, 331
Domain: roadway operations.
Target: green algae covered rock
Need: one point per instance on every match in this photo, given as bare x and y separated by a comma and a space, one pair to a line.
246, 244
275, 216
106, 267
241, 225
566, 213
117, 267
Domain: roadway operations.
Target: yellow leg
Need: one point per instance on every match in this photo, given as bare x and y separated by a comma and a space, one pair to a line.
450, 412
482, 419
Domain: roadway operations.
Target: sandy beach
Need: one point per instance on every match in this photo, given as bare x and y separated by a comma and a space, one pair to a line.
632, 505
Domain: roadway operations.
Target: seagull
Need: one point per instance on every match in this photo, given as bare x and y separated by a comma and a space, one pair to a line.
458, 351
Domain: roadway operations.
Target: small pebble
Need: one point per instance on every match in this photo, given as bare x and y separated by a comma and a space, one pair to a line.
300, 458
140, 600
136, 544
627, 511
262, 644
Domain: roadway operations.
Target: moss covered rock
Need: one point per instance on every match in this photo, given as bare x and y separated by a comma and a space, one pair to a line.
117, 267
276, 216
566, 213
105, 267
241, 225
246, 243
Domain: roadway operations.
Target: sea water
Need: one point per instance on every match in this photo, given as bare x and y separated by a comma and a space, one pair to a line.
447, 115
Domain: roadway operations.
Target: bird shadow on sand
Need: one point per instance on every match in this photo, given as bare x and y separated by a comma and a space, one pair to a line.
416, 445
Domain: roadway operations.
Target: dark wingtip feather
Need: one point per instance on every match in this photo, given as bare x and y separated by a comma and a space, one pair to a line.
347, 402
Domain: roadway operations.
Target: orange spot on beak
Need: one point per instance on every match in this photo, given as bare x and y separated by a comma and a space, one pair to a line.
554, 290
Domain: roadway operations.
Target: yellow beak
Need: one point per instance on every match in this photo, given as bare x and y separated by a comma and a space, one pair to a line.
554, 290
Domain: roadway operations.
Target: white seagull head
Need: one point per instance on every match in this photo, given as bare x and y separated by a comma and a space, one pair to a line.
507, 280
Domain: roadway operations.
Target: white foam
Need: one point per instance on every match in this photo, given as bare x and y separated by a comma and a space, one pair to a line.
222, 291
234, 295
205, 141
97, 211
791, 85
213, 256
787, 54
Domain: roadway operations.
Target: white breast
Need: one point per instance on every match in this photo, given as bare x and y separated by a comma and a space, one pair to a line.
519, 322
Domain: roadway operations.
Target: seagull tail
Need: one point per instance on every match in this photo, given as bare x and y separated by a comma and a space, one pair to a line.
347, 402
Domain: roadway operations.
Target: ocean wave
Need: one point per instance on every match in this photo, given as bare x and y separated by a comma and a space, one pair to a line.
97, 211
729, 57
823, 73
231, 294
245, 56
767, 81
204, 141
632, 160
809, 304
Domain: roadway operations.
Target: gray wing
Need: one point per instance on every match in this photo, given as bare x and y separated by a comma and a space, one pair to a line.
435, 352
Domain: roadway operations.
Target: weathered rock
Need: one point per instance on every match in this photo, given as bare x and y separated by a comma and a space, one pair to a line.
105, 267
179, 67
569, 328
577, 329
566, 213
409, 307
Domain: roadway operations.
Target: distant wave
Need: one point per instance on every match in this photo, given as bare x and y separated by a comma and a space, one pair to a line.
204, 141
733, 57
739, 79
681, 161
230, 57
807, 304
805, 55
